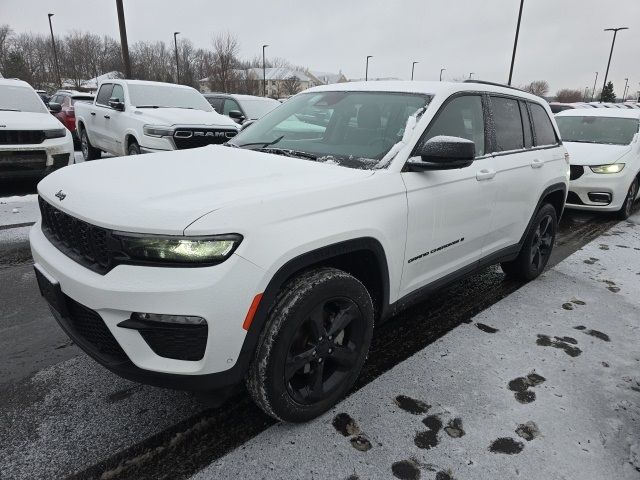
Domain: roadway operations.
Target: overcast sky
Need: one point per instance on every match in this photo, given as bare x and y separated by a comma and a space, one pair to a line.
561, 41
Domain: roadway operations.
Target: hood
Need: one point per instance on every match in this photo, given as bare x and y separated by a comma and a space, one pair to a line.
28, 121
185, 116
595, 153
165, 192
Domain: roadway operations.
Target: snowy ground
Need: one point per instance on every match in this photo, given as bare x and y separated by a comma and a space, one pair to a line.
543, 385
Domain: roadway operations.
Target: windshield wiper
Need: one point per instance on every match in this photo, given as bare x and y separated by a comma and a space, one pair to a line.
288, 153
264, 144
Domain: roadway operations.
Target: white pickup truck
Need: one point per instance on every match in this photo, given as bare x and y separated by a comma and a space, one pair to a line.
129, 117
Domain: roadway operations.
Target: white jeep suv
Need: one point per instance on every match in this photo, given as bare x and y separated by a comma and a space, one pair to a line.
270, 259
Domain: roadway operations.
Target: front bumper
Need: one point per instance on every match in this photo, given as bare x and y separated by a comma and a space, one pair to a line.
221, 294
35, 161
614, 184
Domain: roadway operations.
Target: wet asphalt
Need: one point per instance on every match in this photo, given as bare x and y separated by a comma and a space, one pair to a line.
142, 432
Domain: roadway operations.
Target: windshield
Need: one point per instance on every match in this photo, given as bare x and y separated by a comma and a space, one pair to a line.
353, 129
606, 130
20, 99
87, 98
167, 96
258, 108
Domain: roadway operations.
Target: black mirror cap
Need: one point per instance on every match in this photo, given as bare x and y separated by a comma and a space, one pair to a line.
236, 115
55, 107
116, 104
444, 153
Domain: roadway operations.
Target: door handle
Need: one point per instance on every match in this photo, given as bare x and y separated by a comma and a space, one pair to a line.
485, 174
93, 114
107, 116
537, 163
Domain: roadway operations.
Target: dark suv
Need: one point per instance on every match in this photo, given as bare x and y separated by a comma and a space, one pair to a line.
241, 108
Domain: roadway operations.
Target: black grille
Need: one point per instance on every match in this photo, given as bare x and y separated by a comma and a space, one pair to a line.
576, 172
180, 342
79, 240
23, 161
200, 137
574, 199
88, 327
21, 137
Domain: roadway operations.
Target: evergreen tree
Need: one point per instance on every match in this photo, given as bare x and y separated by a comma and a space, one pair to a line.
608, 94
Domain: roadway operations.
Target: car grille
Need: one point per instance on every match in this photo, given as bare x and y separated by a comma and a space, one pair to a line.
21, 137
180, 342
200, 137
85, 243
89, 328
576, 171
14, 161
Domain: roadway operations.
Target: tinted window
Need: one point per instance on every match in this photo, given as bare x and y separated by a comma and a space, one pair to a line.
104, 94
229, 105
118, 93
461, 117
545, 134
216, 103
508, 123
526, 125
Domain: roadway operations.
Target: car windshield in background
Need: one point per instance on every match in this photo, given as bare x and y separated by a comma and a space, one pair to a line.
167, 96
81, 99
353, 129
258, 108
606, 130
20, 99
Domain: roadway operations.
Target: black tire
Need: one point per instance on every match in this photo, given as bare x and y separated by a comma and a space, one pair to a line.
89, 152
313, 346
133, 148
537, 247
627, 206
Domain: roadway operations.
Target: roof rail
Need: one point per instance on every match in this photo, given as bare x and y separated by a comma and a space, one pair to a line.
495, 84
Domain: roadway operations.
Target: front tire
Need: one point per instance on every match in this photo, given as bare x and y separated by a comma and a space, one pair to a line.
630, 199
133, 149
537, 247
89, 152
313, 346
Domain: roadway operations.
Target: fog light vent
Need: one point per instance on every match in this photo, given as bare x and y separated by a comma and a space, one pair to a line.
600, 197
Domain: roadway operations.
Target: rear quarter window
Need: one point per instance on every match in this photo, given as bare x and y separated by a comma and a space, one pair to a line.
545, 133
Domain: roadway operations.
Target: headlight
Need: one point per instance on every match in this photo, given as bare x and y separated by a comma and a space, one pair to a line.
613, 168
57, 133
158, 130
176, 250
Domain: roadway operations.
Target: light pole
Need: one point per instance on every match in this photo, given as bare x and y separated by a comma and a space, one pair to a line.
593, 93
515, 42
366, 70
441, 70
55, 51
615, 34
624, 92
123, 40
175, 44
264, 72
413, 66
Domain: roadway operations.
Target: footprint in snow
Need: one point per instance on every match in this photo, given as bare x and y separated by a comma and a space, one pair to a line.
506, 445
347, 426
559, 342
594, 333
411, 405
406, 469
520, 387
528, 431
591, 260
428, 439
454, 428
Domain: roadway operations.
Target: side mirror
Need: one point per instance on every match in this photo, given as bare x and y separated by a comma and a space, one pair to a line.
55, 107
247, 124
236, 115
443, 153
116, 104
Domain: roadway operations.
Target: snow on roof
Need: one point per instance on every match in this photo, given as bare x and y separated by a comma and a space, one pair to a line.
328, 77
281, 73
601, 112
94, 82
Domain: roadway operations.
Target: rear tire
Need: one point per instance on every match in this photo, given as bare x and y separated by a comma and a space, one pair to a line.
537, 247
630, 199
89, 152
313, 346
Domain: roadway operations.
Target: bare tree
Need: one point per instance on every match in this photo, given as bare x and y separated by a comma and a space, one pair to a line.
568, 95
291, 85
5, 35
537, 87
223, 75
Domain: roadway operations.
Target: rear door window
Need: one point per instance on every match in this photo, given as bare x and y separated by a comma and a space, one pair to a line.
104, 94
508, 124
545, 134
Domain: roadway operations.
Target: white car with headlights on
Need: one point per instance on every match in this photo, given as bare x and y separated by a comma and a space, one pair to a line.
604, 150
32, 141
129, 117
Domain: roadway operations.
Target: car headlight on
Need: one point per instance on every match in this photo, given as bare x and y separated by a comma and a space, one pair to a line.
612, 168
57, 133
176, 250
158, 130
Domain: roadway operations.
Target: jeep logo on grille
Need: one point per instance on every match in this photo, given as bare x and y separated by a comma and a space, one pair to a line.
61, 195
